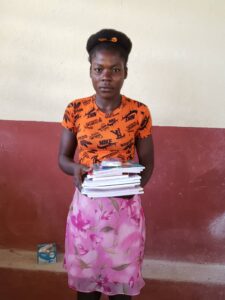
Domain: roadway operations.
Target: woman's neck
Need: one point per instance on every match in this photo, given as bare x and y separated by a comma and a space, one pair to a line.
107, 105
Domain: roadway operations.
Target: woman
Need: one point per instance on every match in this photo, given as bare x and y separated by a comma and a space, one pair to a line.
104, 244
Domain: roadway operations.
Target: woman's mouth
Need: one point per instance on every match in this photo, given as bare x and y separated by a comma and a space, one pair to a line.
106, 88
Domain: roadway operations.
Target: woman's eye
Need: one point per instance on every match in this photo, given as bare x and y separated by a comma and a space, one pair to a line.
98, 70
115, 70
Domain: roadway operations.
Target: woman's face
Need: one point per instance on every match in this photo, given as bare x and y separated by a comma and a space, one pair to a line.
107, 72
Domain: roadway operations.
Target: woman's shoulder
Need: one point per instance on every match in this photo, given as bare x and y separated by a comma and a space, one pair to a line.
80, 106
79, 103
135, 103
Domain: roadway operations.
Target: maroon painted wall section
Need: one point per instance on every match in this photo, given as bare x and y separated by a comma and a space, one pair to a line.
184, 202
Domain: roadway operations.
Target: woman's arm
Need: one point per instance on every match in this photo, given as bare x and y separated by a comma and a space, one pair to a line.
67, 148
145, 151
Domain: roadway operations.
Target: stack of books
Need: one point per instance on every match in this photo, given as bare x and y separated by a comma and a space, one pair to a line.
113, 179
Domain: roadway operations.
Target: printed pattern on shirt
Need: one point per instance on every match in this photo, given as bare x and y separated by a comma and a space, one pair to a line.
101, 136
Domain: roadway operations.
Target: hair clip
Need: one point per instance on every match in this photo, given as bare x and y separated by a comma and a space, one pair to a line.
113, 40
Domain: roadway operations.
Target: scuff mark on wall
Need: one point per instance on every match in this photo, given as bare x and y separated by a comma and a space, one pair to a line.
217, 227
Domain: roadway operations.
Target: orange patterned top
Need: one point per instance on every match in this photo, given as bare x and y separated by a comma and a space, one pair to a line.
100, 135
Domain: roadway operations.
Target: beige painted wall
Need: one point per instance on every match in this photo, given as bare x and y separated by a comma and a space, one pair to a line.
177, 65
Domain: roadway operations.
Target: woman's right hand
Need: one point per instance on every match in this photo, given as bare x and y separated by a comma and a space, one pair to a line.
78, 174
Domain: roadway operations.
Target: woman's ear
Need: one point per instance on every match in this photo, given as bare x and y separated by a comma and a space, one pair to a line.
90, 71
126, 72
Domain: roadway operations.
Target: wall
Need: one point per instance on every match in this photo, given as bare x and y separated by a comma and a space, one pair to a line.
176, 67
183, 203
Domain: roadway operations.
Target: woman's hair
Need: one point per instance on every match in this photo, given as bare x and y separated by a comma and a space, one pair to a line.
109, 39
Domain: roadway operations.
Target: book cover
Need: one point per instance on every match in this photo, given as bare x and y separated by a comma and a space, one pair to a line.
113, 193
128, 167
111, 180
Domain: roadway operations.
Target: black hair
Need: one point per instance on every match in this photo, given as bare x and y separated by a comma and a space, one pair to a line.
109, 39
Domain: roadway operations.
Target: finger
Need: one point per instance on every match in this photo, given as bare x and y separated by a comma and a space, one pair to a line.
78, 181
86, 169
79, 188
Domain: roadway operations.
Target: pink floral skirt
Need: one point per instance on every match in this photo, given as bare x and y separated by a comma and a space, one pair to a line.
104, 245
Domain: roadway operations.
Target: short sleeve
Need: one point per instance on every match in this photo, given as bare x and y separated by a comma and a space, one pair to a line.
145, 122
69, 118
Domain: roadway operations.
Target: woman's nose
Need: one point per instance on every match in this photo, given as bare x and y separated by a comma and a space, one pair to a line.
106, 75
